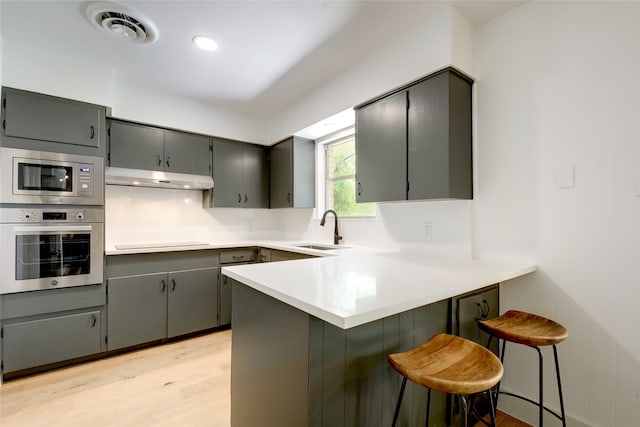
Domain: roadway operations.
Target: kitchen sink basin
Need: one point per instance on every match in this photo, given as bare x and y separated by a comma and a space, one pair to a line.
321, 247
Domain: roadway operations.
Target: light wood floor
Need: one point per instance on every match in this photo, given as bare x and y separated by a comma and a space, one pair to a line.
185, 383
179, 384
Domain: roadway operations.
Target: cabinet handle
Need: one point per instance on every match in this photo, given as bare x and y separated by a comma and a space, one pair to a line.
164, 285
159, 160
224, 281
239, 198
168, 160
479, 312
173, 285
359, 189
485, 313
288, 197
245, 199
93, 132
238, 257
94, 320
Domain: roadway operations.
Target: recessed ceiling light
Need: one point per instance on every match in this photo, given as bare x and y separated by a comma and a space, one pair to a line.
205, 43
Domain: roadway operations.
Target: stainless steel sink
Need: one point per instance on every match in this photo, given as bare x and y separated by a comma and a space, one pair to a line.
321, 247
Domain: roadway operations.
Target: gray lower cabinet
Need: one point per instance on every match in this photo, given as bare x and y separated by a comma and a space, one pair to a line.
45, 327
136, 310
34, 121
138, 146
292, 173
415, 143
291, 368
230, 258
276, 255
240, 174
192, 301
474, 306
53, 339
161, 295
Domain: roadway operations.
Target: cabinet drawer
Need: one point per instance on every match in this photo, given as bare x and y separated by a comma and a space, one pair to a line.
40, 342
24, 304
244, 255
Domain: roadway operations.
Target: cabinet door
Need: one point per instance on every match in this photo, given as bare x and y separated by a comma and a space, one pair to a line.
186, 153
439, 139
193, 301
255, 177
227, 173
381, 150
474, 307
47, 118
136, 147
136, 309
281, 175
39, 342
226, 284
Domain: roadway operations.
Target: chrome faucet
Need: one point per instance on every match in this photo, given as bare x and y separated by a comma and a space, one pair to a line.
336, 236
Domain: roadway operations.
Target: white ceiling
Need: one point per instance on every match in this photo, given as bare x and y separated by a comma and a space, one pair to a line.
271, 52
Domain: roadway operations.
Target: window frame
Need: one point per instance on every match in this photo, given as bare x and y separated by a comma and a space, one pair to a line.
322, 145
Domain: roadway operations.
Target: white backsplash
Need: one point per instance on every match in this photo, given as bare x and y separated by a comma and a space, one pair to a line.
157, 215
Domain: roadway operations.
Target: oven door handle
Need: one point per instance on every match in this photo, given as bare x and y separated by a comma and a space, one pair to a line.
52, 229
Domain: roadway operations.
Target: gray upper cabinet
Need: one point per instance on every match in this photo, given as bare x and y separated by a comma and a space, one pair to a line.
137, 146
415, 143
187, 153
381, 160
240, 174
292, 173
38, 120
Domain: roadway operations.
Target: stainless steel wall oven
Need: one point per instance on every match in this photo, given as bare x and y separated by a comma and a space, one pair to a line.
46, 248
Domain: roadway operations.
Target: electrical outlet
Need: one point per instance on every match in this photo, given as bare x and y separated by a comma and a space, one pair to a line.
427, 229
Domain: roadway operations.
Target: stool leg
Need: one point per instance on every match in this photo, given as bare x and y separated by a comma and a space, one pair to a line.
555, 356
465, 410
541, 391
492, 408
395, 414
426, 422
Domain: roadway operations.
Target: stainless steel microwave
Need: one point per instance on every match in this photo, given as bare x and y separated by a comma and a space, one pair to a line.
42, 177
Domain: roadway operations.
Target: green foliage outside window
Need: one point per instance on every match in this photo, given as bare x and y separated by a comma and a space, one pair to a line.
341, 185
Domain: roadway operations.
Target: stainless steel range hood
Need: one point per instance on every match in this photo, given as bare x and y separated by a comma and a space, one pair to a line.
145, 178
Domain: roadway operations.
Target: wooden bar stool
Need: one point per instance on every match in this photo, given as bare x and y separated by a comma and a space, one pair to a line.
533, 331
452, 365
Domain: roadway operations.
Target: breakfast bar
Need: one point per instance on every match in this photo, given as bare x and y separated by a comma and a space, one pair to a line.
310, 337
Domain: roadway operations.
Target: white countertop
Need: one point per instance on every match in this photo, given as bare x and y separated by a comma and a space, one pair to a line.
359, 287
351, 286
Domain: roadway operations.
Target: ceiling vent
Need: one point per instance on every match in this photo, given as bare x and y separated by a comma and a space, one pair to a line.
122, 22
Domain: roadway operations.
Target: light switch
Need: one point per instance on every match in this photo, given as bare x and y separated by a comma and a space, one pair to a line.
564, 176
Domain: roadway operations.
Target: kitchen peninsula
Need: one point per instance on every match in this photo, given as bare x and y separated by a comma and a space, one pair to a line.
310, 337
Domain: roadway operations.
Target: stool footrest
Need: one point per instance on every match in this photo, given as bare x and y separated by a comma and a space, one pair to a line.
551, 411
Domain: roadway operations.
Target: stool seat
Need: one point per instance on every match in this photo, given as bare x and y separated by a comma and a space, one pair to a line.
525, 328
449, 364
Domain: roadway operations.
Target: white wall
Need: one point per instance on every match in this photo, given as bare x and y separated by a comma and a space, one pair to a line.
30, 68
558, 85
137, 103
421, 50
157, 215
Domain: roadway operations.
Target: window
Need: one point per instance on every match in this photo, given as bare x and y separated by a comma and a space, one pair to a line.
340, 177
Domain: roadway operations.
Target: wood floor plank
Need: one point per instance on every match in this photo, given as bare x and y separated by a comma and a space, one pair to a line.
178, 384
185, 383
